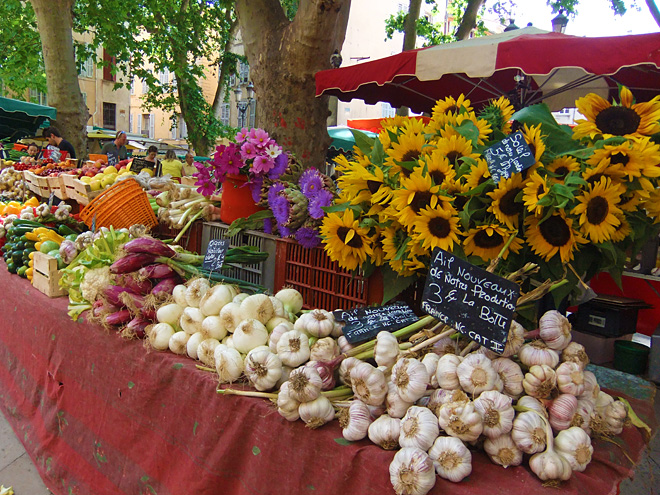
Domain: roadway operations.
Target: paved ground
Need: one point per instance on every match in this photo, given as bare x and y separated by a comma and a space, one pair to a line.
17, 470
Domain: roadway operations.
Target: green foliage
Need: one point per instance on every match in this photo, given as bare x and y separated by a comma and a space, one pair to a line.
290, 8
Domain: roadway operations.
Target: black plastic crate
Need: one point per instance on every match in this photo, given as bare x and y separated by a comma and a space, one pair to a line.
609, 316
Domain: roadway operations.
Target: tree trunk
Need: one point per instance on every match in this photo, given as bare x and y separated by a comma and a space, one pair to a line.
655, 12
54, 22
410, 38
283, 56
469, 21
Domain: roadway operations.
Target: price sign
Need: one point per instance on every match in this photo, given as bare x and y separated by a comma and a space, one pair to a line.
93, 227
113, 157
475, 302
51, 198
139, 164
509, 156
364, 323
215, 254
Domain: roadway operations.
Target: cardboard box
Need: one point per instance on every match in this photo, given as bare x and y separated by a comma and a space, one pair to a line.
600, 349
609, 316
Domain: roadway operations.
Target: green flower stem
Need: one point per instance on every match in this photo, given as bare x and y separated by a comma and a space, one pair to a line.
404, 332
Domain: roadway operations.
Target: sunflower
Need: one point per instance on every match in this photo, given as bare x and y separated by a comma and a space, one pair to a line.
652, 205
535, 189
622, 231
449, 107
438, 168
598, 211
554, 235
630, 199
384, 138
455, 148
363, 184
625, 119
436, 228
499, 113
562, 166
486, 241
483, 126
394, 239
408, 149
345, 241
603, 169
456, 189
478, 174
630, 161
378, 255
534, 140
651, 161
504, 206
416, 193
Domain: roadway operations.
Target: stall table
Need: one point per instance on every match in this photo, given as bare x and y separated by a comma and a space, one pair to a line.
102, 415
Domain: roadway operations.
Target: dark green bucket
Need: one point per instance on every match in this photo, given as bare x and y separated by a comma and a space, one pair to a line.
630, 357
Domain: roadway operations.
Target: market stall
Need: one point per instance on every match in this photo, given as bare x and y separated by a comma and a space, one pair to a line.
99, 415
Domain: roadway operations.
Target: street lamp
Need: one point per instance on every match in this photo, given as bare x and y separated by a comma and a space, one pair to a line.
559, 23
511, 27
243, 105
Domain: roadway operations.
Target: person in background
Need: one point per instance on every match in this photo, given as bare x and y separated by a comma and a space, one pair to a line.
57, 142
152, 151
188, 167
170, 165
33, 151
116, 147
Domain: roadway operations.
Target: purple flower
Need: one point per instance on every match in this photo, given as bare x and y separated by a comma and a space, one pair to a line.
281, 163
321, 199
248, 151
308, 237
280, 207
274, 190
262, 164
311, 182
284, 231
259, 138
255, 188
268, 226
241, 135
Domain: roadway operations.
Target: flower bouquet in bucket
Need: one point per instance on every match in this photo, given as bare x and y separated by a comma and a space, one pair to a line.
588, 201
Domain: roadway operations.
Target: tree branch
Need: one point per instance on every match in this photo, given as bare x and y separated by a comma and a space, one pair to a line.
222, 77
655, 12
469, 21
410, 25
264, 16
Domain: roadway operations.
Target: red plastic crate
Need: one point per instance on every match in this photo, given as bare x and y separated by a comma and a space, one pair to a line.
322, 283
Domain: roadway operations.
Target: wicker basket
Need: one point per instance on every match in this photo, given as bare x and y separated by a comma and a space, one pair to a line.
121, 205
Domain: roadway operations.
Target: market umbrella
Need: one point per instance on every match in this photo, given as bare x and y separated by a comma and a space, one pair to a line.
528, 65
342, 137
19, 119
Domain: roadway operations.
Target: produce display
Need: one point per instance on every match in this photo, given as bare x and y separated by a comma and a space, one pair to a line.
12, 185
179, 207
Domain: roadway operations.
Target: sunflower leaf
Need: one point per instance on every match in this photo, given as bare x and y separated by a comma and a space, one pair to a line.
377, 154
469, 131
362, 141
401, 252
557, 138
393, 283
480, 188
341, 207
574, 179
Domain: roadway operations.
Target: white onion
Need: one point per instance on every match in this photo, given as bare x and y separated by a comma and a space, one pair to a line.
291, 299
169, 313
278, 307
228, 363
178, 342
179, 293
257, 307
193, 344
191, 320
205, 351
159, 336
239, 298
197, 288
215, 299
250, 334
212, 328
230, 315
277, 320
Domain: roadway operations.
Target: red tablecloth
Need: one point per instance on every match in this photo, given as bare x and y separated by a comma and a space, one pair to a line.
100, 415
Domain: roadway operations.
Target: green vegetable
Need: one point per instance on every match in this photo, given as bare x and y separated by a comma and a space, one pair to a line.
48, 246
11, 267
54, 253
71, 237
64, 230
21, 271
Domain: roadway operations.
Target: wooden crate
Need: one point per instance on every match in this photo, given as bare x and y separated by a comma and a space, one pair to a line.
188, 181
78, 190
46, 276
56, 185
31, 181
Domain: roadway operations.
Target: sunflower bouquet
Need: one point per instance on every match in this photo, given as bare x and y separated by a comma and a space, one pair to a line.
588, 200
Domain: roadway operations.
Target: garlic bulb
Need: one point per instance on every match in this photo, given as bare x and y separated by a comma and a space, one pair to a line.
446, 345
603, 400
279, 330
326, 373
325, 349
305, 384
537, 353
419, 428
497, 413
570, 379
317, 323
228, 363
575, 353
354, 421
286, 371
344, 344
293, 348
610, 418
511, 376
461, 421
385, 432
316, 413
411, 379
368, 383
446, 372
540, 381
430, 360
451, 458
528, 432
476, 374
514, 340
582, 416
562, 410
550, 465
503, 451
555, 330
287, 406
441, 397
386, 349
337, 330
345, 370
263, 369
575, 446
533, 404
411, 472
396, 406
591, 387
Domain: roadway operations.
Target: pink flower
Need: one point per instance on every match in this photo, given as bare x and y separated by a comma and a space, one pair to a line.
262, 164
241, 135
248, 151
259, 138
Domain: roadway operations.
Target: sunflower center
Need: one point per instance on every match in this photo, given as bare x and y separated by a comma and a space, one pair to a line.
555, 231
356, 240
438, 177
540, 190
561, 171
483, 240
482, 179
619, 158
421, 200
453, 157
508, 204
411, 155
460, 202
618, 121
625, 199
597, 210
373, 186
451, 109
595, 178
439, 227
532, 147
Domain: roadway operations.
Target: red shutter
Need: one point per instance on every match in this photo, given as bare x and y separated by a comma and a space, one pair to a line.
107, 69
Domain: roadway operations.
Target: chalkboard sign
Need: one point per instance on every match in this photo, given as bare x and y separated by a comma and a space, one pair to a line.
51, 198
509, 156
139, 164
113, 157
364, 323
475, 302
215, 254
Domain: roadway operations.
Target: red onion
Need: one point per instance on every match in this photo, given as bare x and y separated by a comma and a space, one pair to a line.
101, 307
134, 283
149, 245
159, 270
166, 285
112, 293
138, 325
118, 317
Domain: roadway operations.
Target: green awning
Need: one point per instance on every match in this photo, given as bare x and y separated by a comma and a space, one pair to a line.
343, 139
19, 119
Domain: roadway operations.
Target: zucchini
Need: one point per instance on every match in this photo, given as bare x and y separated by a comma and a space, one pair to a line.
64, 230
